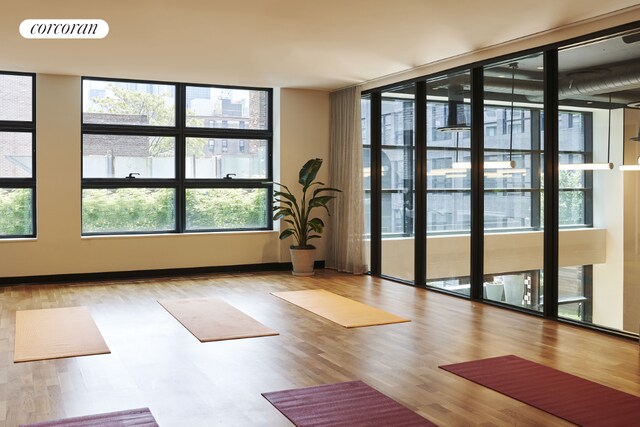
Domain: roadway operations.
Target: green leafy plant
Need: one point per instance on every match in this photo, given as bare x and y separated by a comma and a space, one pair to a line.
302, 226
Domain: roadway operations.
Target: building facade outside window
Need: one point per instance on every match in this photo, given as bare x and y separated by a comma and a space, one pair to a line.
551, 233
17, 155
172, 157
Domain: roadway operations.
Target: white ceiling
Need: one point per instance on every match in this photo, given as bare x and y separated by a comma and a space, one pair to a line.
316, 44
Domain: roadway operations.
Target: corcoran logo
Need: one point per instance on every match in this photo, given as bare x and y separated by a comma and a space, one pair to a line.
64, 29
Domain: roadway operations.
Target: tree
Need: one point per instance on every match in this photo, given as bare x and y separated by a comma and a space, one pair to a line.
148, 108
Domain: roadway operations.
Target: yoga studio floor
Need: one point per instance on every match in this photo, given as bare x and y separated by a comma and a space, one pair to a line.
156, 363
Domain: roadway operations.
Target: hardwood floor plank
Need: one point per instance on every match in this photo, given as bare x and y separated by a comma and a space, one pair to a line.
155, 363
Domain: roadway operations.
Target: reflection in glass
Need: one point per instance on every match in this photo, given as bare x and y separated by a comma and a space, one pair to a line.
226, 208
128, 210
117, 156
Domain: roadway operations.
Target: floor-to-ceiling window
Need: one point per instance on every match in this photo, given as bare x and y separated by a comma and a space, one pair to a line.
542, 220
448, 221
599, 92
397, 182
513, 240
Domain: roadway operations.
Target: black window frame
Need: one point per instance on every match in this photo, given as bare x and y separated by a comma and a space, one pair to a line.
22, 126
181, 132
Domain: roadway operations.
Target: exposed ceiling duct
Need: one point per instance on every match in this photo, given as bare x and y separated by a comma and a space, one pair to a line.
620, 80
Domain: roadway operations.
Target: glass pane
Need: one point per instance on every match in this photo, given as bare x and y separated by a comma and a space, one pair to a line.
598, 123
572, 207
508, 209
365, 106
226, 208
448, 184
117, 156
215, 158
448, 212
16, 98
128, 210
397, 170
223, 108
16, 155
513, 205
16, 215
128, 103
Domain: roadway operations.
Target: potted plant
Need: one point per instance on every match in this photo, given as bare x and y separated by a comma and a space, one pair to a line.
302, 226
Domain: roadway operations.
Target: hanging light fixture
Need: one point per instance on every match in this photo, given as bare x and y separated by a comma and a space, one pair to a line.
500, 164
627, 168
455, 98
594, 166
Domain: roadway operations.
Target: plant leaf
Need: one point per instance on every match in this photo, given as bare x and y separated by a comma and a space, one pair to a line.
320, 201
286, 233
316, 225
308, 172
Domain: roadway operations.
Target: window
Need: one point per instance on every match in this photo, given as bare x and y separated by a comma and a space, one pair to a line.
154, 164
17, 155
575, 186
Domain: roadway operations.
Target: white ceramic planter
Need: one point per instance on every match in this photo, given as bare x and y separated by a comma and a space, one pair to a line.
303, 260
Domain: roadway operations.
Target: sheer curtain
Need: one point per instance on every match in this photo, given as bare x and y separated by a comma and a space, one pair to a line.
346, 241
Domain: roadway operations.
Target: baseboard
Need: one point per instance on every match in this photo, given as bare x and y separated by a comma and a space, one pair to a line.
148, 274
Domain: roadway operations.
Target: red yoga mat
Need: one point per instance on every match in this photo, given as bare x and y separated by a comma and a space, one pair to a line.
575, 399
132, 418
351, 403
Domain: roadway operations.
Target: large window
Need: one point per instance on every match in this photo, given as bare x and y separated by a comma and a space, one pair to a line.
17, 155
174, 157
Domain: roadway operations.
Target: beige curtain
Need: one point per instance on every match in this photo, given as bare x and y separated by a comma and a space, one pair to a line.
346, 241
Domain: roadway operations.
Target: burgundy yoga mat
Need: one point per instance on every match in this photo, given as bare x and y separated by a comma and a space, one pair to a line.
132, 418
351, 403
575, 399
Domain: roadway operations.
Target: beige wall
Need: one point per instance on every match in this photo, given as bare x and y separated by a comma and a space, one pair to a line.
59, 249
448, 256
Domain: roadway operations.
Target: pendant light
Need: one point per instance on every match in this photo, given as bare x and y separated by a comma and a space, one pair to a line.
628, 168
594, 166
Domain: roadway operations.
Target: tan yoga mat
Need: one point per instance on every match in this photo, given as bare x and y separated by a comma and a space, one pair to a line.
341, 310
212, 319
54, 333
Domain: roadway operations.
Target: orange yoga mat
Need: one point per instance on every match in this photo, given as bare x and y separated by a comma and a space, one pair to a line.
54, 333
343, 311
212, 319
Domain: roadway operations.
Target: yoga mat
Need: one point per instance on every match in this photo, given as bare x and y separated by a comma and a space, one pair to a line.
352, 403
212, 319
131, 418
341, 310
575, 399
55, 333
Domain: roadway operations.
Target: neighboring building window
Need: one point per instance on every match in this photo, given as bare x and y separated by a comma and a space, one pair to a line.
151, 164
515, 206
17, 155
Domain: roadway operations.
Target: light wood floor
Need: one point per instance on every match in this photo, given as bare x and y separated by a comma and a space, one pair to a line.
157, 363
